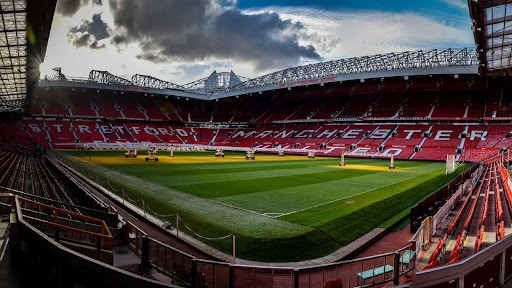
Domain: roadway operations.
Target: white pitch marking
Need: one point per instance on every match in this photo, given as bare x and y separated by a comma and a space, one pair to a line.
335, 200
236, 207
273, 215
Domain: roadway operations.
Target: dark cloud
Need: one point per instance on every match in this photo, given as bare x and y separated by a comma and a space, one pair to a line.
82, 40
95, 45
96, 27
69, 7
199, 29
86, 40
89, 33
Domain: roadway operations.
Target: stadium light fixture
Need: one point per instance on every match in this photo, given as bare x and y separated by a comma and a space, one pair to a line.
456, 76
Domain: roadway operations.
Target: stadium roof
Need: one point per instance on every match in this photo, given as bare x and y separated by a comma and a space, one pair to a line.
227, 84
13, 55
24, 31
492, 28
39, 21
216, 82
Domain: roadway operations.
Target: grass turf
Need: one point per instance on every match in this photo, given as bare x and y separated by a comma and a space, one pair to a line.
281, 209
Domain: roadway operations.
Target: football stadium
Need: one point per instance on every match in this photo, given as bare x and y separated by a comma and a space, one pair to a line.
386, 170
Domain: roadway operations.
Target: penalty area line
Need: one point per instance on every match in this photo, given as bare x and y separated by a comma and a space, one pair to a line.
273, 214
240, 208
342, 198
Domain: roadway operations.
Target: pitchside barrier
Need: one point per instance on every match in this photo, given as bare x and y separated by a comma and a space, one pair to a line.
463, 189
189, 271
430, 224
443, 212
420, 239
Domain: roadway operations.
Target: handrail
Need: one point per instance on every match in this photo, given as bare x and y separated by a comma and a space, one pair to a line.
138, 234
105, 234
49, 200
456, 272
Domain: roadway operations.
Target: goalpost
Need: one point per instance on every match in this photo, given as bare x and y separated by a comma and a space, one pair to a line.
392, 162
450, 163
342, 159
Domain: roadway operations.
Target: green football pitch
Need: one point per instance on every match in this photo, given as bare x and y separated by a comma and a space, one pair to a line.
280, 208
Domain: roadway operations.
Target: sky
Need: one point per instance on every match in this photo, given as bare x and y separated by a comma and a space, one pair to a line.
181, 41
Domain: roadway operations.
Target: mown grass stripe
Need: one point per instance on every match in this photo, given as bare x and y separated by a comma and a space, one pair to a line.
248, 186
240, 192
300, 198
241, 174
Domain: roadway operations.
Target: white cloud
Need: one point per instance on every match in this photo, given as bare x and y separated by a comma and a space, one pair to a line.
334, 35
461, 4
357, 33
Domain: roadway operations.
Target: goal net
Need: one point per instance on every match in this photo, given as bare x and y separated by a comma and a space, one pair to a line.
450, 163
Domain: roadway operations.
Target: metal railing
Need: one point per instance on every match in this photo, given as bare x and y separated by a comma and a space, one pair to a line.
189, 271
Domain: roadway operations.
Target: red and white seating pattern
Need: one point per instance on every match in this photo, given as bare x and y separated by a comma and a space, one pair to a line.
431, 142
